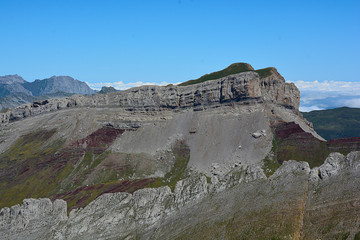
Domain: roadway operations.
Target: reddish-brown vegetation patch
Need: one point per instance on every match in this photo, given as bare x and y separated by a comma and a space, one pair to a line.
99, 140
36, 166
81, 196
344, 145
296, 144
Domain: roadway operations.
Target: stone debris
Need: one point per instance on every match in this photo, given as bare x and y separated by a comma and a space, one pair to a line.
259, 134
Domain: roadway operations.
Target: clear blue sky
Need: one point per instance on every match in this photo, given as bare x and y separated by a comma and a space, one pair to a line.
177, 40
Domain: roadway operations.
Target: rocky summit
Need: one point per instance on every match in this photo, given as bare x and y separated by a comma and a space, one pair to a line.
225, 156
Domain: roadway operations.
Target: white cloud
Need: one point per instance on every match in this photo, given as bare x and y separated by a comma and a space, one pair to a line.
328, 94
309, 109
339, 87
355, 102
122, 86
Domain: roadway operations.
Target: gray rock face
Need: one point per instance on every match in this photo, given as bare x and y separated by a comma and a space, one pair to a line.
151, 213
58, 84
274, 89
243, 88
12, 84
34, 217
332, 166
332, 204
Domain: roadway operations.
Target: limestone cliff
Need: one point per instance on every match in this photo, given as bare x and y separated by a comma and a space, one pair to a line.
242, 88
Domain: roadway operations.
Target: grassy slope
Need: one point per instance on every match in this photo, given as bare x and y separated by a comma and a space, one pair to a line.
336, 123
36, 166
232, 69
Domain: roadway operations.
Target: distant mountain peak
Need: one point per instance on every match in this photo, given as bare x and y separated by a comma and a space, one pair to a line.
14, 90
11, 79
61, 77
54, 84
107, 89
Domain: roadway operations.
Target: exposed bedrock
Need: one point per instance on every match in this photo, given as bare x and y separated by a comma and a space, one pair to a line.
242, 88
296, 202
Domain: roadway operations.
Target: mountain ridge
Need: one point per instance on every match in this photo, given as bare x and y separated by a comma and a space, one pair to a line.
15, 90
227, 158
335, 123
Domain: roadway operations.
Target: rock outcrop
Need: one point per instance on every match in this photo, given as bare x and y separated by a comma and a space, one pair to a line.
242, 88
274, 89
292, 191
36, 218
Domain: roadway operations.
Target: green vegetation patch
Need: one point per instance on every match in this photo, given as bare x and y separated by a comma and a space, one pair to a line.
260, 224
36, 167
179, 170
32, 145
296, 144
335, 123
314, 156
271, 163
26, 168
4, 110
232, 69
265, 72
357, 236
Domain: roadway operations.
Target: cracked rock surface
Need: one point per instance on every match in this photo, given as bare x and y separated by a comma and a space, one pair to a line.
243, 204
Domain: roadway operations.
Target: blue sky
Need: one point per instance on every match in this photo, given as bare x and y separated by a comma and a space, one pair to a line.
127, 43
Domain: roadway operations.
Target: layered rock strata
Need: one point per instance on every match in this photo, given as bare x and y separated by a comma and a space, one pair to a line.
242, 88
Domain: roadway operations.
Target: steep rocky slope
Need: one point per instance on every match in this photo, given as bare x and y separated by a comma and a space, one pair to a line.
208, 160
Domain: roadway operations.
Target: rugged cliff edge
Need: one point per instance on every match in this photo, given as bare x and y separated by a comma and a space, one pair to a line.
243, 88
296, 202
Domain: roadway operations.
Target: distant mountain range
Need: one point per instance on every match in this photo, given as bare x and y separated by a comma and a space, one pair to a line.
14, 90
335, 123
